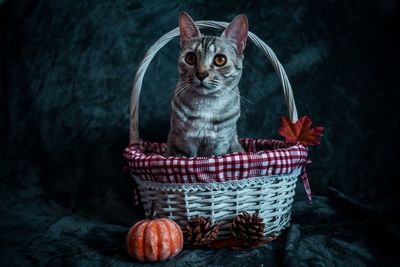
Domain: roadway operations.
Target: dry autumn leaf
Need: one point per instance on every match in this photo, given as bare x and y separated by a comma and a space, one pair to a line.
300, 131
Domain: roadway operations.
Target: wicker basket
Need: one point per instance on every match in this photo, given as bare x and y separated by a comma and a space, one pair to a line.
268, 193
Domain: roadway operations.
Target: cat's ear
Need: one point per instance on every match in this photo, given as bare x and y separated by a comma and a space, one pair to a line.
187, 28
237, 31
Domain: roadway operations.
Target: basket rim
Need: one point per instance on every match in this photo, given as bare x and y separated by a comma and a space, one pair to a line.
276, 145
144, 160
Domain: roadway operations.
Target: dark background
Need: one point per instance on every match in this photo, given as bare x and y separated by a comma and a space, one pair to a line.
67, 69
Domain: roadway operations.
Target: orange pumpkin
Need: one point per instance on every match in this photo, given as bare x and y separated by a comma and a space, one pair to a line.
154, 240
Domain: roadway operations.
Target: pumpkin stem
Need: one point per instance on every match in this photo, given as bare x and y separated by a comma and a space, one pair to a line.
153, 213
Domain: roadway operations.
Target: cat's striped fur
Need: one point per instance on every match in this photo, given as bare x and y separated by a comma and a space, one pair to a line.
206, 103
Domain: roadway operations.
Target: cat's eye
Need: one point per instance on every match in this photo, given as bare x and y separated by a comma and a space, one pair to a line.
220, 60
190, 58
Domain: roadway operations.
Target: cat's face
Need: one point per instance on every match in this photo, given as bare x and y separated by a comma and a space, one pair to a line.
211, 65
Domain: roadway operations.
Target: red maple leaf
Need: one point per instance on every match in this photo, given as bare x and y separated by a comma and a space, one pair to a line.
300, 131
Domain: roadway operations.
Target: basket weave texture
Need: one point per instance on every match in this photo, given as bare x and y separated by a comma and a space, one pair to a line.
262, 179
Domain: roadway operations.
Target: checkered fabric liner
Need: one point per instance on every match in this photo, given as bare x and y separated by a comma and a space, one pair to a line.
262, 158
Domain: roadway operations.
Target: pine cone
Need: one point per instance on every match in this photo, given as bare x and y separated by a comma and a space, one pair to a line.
199, 232
249, 229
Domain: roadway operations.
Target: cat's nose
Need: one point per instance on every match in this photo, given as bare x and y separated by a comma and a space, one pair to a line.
201, 75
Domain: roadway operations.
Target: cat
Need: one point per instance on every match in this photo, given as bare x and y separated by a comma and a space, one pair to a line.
206, 102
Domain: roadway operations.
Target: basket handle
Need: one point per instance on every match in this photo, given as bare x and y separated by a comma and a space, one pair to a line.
137, 85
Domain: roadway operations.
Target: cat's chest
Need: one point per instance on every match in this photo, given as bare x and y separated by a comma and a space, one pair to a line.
201, 124
204, 118
198, 123
201, 114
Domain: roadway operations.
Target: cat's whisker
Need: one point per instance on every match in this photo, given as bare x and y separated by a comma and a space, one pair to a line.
181, 86
170, 94
181, 91
165, 97
243, 101
246, 109
246, 100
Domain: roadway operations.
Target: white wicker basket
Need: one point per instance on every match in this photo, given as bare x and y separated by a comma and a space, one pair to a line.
270, 196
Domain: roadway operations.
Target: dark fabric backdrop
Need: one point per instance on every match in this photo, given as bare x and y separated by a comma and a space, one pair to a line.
67, 69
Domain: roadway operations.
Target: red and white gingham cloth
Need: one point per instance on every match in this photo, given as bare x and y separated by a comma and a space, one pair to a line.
262, 157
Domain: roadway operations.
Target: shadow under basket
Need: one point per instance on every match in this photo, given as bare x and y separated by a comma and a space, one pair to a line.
262, 179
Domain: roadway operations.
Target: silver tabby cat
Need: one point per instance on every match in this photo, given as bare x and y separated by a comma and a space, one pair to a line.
206, 103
